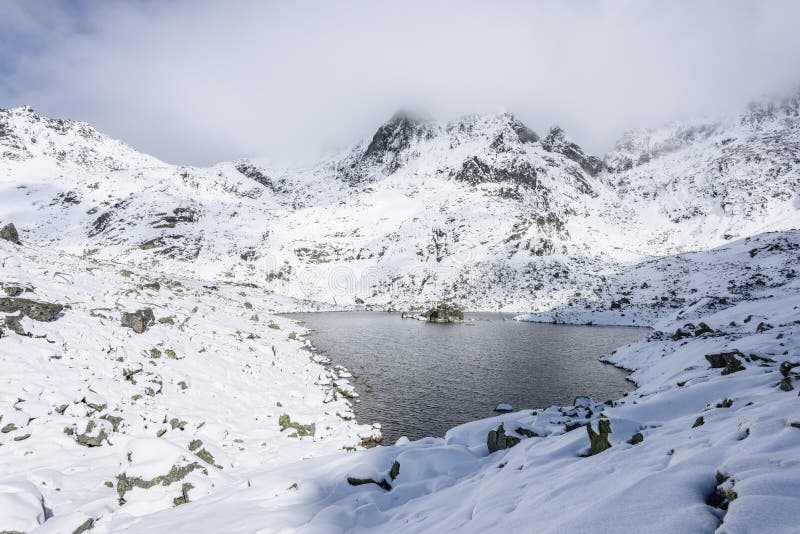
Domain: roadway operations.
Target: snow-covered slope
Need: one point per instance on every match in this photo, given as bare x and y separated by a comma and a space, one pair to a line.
710, 438
687, 228
91, 412
481, 210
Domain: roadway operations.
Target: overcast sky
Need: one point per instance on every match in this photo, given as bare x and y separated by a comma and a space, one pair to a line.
198, 82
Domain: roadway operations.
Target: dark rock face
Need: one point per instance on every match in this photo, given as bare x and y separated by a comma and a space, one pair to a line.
498, 440
394, 136
353, 481
256, 174
9, 233
690, 330
444, 313
599, 440
723, 493
786, 367
524, 134
726, 360
474, 171
394, 472
557, 141
139, 320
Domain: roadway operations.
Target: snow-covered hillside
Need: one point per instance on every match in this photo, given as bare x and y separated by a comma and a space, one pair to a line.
93, 412
709, 441
482, 210
208, 412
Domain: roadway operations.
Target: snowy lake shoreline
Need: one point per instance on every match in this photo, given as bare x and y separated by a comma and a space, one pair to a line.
420, 379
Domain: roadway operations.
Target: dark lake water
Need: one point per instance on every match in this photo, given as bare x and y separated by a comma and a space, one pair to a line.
420, 379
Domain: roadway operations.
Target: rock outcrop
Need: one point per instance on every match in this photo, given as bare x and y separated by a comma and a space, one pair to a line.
9, 233
444, 313
139, 320
498, 440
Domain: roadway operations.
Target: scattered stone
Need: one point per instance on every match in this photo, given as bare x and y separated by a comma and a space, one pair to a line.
395, 470
302, 430
85, 526
786, 367
498, 440
9, 233
13, 291
786, 384
90, 438
526, 432
361, 481
699, 422
139, 320
599, 440
207, 457
177, 423
637, 438
726, 360
176, 473
723, 493
38, 311
690, 330
184, 497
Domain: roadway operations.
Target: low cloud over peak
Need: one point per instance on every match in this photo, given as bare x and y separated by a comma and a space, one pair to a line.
198, 82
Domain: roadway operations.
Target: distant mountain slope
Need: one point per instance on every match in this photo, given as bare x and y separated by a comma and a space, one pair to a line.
482, 210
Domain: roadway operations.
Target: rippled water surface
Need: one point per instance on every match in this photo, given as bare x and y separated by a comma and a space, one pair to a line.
419, 379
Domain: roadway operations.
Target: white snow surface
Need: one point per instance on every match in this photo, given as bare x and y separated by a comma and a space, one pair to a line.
220, 417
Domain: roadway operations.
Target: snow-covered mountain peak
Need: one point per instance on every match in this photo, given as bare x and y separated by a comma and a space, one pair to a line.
24, 134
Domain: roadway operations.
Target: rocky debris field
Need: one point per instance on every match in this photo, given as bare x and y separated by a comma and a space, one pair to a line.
708, 441
125, 392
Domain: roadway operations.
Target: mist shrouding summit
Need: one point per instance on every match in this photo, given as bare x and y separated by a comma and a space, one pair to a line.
199, 82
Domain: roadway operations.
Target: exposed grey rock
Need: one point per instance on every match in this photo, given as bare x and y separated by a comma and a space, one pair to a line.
726, 360
599, 440
302, 430
353, 481
498, 439
13, 291
9, 233
723, 493
176, 473
184, 497
90, 437
557, 141
395, 470
444, 313
786, 367
83, 527
139, 320
38, 311
690, 330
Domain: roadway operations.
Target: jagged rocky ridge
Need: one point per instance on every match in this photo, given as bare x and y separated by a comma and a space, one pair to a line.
481, 210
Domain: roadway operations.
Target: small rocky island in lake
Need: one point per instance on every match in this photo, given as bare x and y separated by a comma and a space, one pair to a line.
444, 313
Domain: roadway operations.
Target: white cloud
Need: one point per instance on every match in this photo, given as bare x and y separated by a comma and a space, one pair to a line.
197, 82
